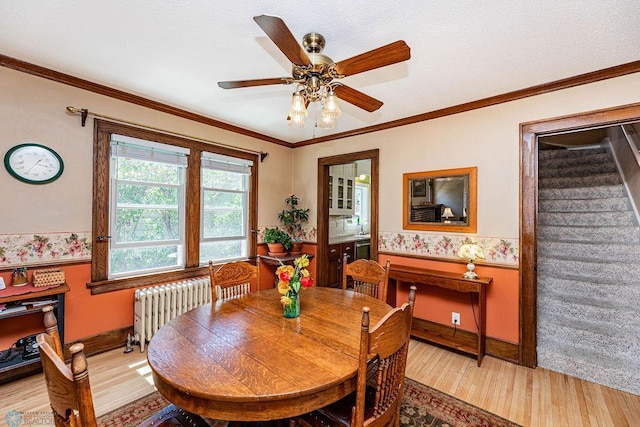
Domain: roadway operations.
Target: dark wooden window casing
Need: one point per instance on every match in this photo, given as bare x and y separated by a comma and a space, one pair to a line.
100, 227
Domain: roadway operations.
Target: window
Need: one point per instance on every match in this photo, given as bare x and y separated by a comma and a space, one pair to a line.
225, 198
146, 209
164, 206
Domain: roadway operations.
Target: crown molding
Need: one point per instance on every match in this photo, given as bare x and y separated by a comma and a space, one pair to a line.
67, 79
594, 76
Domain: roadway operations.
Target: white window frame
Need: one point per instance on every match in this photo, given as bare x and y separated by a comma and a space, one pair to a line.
153, 152
230, 164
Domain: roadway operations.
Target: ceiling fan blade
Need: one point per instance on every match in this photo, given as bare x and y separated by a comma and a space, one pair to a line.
386, 55
257, 82
357, 98
278, 32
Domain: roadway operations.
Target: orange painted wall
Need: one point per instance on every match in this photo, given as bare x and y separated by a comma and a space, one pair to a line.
86, 315
436, 304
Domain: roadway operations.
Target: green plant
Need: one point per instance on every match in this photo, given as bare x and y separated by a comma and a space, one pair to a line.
275, 235
293, 217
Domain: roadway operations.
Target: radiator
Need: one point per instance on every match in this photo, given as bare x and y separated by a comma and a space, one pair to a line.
155, 306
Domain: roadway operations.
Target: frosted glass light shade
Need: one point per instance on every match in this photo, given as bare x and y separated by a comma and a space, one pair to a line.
331, 107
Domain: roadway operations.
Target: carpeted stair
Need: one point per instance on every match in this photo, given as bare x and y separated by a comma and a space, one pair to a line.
588, 297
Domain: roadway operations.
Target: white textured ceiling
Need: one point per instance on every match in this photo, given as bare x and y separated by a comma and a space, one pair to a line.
176, 51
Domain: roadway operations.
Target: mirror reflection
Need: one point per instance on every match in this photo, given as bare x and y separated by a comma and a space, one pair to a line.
441, 200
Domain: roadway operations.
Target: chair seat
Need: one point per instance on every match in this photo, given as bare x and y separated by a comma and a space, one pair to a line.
174, 416
338, 414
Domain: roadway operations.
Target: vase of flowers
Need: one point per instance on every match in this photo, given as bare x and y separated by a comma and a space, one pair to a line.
291, 279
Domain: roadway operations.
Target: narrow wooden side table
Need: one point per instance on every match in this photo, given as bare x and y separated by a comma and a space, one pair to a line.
455, 282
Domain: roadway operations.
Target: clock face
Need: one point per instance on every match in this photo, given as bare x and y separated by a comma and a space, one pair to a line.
33, 163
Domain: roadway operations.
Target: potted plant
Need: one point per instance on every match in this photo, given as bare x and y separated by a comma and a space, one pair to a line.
292, 218
278, 241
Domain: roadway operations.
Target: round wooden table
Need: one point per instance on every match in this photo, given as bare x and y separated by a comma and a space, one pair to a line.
241, 360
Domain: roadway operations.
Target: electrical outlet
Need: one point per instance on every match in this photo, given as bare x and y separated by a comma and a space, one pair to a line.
455, 318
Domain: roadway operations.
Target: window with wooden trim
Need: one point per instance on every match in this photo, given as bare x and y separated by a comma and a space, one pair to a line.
165, 205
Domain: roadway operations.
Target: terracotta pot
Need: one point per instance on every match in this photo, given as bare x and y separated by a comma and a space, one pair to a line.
276, 249
296, 249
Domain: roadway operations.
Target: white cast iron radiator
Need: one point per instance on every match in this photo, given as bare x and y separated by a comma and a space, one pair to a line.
155, 306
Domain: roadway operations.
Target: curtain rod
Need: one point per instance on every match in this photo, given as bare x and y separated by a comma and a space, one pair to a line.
84, 113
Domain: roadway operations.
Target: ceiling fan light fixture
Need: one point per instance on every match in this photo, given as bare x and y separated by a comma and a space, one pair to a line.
296, 121
298, 107
331, 107
326, 121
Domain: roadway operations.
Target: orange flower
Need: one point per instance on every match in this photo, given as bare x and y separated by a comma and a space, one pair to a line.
285, 300
283, 287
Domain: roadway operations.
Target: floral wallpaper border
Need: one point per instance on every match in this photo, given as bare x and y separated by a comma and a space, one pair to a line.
17, 250
498, 250
47, 248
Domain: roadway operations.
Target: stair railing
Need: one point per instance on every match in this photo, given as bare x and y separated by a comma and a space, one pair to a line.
630, 132
625, 147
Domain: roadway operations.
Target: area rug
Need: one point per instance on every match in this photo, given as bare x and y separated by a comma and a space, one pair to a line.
422, 406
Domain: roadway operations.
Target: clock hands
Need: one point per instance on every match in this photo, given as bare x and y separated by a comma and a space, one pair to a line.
33, 165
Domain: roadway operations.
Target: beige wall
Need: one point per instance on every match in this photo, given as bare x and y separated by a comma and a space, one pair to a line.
487, 138
33, 110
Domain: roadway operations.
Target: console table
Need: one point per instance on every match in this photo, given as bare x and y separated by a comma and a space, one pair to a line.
455, 282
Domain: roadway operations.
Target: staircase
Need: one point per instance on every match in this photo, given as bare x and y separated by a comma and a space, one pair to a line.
588, 295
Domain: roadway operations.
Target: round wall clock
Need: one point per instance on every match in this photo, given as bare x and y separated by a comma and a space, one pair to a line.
33, 163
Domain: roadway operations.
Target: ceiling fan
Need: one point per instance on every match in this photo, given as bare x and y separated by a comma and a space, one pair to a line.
314, 73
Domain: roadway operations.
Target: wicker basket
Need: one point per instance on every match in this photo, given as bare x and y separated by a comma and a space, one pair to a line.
49, 277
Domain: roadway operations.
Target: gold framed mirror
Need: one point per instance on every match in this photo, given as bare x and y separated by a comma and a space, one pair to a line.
442, 200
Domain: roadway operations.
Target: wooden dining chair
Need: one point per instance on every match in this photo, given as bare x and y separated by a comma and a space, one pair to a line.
233, 279
381, 367
69, 388
70, 391
369, 277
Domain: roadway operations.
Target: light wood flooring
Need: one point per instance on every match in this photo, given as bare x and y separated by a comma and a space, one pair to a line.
530, 397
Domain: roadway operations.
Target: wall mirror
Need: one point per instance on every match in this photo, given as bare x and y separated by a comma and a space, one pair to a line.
442, 200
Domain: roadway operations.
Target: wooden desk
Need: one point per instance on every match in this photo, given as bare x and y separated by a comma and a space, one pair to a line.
455, 282
240, 360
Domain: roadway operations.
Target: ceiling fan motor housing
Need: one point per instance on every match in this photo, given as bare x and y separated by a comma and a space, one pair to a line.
319, 70
313, 42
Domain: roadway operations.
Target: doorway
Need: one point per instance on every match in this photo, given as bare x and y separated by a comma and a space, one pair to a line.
324, 163
530, 132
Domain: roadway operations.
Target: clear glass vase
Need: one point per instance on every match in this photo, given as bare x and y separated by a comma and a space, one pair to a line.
292, 310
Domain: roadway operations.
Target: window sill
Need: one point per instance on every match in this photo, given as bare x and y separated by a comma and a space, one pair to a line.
105, 286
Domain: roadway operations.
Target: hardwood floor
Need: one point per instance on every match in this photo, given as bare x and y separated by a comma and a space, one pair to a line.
530, 397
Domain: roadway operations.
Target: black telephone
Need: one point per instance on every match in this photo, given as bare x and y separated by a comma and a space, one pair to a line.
28, 346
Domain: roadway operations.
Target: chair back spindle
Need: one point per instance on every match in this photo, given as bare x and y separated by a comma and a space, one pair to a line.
51, 329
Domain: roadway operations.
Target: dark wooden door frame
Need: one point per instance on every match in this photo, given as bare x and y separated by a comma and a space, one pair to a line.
529, 134
322, 249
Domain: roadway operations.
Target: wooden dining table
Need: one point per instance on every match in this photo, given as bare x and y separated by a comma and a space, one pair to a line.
241, 360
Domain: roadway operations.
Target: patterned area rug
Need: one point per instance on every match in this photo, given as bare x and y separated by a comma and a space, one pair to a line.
422, 406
